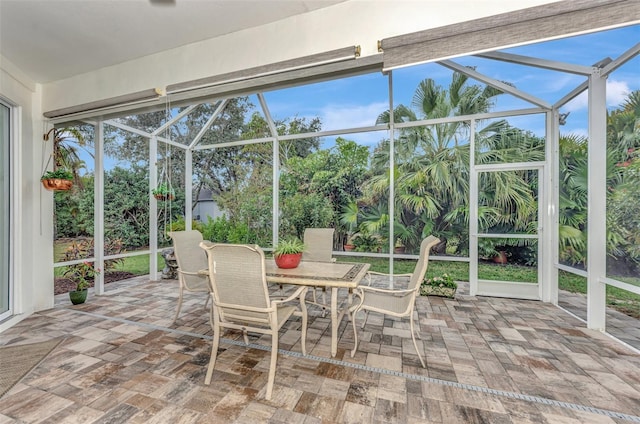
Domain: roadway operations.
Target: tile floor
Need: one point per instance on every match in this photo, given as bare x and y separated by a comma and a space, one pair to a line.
489, 360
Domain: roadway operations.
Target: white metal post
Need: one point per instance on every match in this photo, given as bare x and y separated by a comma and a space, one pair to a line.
276, 192
597, 203
548, 249
392, 186
188, 188
276, 170
98, 207
153, 209
473, 211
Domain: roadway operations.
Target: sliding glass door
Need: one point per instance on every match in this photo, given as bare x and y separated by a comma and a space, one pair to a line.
5, 137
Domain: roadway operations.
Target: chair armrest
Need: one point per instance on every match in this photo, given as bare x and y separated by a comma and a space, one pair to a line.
395, 292
300, 292
382, 273
370, 273
199, 273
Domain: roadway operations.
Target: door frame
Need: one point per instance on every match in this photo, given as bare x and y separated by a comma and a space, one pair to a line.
495, 288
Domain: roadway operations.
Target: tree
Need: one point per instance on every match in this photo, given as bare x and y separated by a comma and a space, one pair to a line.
325, 181
431, 169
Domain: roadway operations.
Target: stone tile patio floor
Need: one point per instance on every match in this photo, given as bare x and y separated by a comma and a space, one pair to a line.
489, 360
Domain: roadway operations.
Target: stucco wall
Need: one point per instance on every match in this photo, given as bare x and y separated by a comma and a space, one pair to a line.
32, 228
355, 22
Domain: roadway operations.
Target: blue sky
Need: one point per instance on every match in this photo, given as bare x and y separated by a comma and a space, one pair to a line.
357, 101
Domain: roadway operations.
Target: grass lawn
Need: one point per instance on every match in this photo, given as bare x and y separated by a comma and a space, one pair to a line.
138, 265
622, 300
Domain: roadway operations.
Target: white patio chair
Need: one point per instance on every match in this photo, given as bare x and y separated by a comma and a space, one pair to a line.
191, 259
241, 300
318, 247
397, 303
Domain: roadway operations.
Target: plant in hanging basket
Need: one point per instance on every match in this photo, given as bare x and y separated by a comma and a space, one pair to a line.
443, 286
163, 192
67, 143
58, 180
288, 253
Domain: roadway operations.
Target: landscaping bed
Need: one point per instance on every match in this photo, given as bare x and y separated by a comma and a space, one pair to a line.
65, 285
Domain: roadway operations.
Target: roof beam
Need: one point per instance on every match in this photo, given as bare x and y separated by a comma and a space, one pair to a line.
495, 83
621, 60
538, 63
208, 124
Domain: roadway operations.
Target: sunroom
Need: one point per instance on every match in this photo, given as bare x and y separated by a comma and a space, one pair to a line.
487, 171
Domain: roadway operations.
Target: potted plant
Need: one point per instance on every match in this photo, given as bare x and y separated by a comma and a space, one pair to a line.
79, 273
443, 286
288, 253
66, 158
58, 180
349, 246
163, 192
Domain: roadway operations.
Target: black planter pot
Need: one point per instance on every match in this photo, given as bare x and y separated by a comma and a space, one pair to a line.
78, 296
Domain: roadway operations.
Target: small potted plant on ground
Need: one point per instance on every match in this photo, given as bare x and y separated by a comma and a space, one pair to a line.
163, 192
443, 286
79, 273
288, 253
58, 180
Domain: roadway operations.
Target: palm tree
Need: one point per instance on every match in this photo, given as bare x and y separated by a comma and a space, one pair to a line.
432, 162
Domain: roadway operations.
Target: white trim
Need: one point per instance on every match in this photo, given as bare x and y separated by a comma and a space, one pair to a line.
98, 208
621, 285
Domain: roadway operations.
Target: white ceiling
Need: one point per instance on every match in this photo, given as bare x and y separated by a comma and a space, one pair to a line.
55, 39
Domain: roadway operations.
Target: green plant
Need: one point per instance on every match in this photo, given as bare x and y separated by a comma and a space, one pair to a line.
440, 281
61, 174
67, 142
288, 247
80, 272
84, 248
364, 242
163, 190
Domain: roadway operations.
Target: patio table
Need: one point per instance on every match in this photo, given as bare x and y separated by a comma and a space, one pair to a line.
333, 275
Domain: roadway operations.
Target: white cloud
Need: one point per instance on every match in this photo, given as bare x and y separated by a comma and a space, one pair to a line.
617, 92
350, 116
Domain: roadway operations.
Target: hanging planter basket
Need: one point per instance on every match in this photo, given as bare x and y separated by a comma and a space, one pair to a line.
58, 180
164, 197
57, 184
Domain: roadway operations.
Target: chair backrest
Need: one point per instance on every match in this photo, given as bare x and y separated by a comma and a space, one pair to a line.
318, 244
189, 255
238, 280
421, 267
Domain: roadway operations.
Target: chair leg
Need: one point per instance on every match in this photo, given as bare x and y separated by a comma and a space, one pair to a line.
303, 309
214, 354
179, 304
355, 333
413, 337
272, 365
324, 299
366, 315
417, 332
